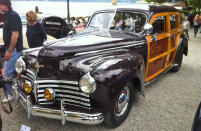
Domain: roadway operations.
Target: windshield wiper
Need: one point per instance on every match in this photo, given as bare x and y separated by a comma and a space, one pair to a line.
93, 26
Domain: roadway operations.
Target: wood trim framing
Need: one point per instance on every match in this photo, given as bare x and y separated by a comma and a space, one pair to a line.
171, 51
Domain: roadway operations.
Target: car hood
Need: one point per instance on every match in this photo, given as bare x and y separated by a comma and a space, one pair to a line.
76, 55
85, 42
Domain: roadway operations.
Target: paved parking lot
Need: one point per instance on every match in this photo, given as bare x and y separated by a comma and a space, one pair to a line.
169, 105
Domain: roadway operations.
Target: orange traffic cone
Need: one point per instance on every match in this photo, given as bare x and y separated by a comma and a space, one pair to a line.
114, 2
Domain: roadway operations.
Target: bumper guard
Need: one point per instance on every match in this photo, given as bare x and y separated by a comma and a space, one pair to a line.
63, 115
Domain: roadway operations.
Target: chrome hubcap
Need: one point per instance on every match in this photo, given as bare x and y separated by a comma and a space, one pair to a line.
122, 102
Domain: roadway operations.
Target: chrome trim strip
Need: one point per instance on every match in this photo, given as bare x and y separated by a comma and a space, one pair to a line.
68, 96
46, 103
69, 100
29, 79
22, 101
65, 102
63, 115
41, 95
57, 81
31, 72
67, 91
84, 118
61, 86
29, 106
89, 108
89, 52
30, 76
78, 117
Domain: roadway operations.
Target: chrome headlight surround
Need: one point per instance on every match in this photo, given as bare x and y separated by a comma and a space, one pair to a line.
87, 84
20, 65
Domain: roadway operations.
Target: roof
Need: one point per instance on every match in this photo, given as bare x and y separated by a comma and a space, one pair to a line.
127, 6
147, 7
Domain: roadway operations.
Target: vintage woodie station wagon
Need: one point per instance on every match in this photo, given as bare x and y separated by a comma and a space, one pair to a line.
91, 77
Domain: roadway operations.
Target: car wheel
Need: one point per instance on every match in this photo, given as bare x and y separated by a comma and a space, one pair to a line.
123, 104
177, 61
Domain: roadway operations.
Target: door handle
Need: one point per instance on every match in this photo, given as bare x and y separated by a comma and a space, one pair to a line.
154, 38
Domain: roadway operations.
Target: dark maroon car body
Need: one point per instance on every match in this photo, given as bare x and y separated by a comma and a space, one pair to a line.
114, 60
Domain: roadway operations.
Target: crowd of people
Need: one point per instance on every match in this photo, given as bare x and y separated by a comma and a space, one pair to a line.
13, 39
79, 23
192, 21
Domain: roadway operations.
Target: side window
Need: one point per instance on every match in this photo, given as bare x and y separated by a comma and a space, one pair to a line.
134, 22
173, 22
128, 22
159, 25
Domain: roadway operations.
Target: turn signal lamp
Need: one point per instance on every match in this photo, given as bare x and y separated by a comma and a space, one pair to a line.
27, 87
49, 94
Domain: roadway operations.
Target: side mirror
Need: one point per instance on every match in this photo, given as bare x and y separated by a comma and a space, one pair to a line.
148, 29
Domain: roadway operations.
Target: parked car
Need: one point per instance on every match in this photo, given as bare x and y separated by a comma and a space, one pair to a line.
92, 76
197, 120
56, 26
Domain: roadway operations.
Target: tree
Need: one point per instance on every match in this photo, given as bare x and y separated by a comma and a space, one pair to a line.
157, 1
195, 3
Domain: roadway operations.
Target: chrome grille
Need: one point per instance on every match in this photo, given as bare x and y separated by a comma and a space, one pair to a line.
69, 91
29, 75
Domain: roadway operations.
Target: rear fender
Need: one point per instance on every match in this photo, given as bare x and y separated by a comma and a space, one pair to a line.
183, 43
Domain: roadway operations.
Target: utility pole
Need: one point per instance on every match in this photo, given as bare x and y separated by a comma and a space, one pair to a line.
68, 12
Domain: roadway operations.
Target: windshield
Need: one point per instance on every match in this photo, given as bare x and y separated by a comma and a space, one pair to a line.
101, 20
130, 22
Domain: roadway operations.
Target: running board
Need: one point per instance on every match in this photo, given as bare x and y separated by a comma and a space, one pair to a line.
157, 77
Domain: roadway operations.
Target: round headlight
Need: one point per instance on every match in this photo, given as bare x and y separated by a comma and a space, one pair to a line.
87, 84
49, 94
20, 65
27, 87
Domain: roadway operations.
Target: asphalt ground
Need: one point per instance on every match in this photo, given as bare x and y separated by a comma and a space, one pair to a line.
169, 104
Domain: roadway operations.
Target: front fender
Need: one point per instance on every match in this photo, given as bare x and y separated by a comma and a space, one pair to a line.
112, 75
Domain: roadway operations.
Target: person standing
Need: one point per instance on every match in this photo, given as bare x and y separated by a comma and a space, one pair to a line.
200, 22
186, 26
196, 24
190, 18
36, 35
12, 37
36, 9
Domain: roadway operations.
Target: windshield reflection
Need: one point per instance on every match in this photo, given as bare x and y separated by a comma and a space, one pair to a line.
101, 20
129, 22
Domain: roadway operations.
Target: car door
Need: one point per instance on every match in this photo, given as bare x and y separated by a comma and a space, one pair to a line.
174, 35
158, 46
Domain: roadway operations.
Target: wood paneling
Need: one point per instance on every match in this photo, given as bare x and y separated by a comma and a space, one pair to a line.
158, 47
156, 65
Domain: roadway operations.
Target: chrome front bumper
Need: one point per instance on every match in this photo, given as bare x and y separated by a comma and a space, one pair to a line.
63, 115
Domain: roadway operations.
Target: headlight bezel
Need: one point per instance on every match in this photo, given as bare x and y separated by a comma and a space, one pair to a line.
20, 65
87, 84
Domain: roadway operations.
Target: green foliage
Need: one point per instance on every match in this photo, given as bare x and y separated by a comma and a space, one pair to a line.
195, 3
186, 12
157, 1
